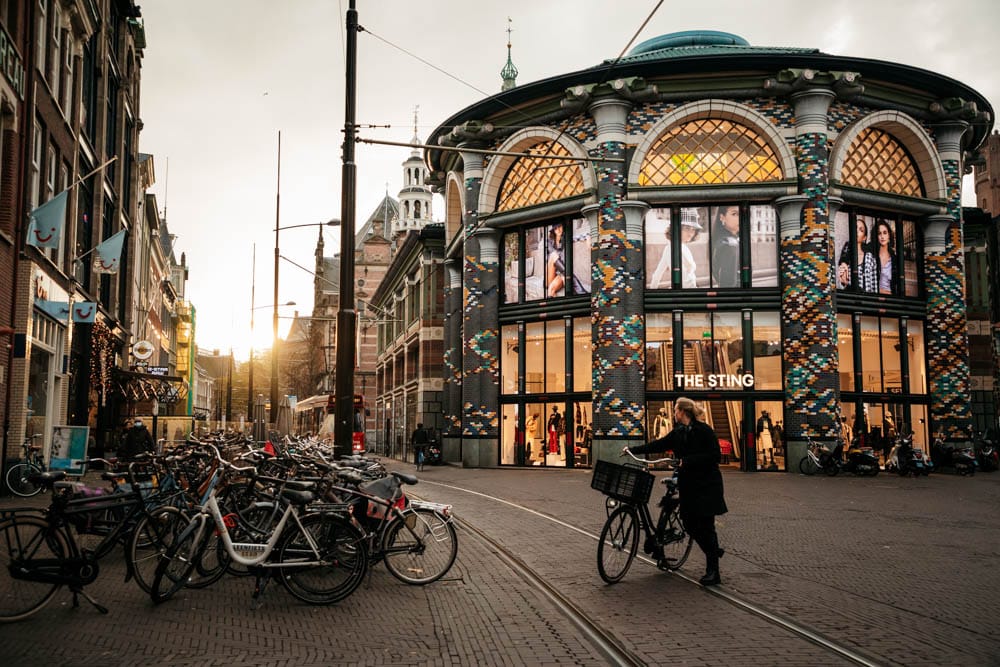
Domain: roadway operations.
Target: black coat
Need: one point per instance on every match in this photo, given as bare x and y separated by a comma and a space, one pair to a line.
137, 441
699, 480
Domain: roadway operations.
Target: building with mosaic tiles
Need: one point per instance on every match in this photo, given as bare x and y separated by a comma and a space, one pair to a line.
773, 232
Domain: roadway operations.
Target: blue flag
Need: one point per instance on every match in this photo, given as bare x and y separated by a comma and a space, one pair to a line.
107, 256
84, 312
46, 222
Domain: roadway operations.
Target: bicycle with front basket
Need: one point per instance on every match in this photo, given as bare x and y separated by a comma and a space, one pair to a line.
628, 488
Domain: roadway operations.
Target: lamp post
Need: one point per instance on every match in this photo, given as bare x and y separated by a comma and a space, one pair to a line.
274, 348
250, 395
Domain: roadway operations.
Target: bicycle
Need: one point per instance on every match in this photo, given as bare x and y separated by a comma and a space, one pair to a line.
41, 551
319, 553
819, 457
628, 488
416, 539
18, 476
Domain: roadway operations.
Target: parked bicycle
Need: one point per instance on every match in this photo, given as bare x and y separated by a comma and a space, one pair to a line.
628, 488
19, 475
40, 550
320, 555
819, 457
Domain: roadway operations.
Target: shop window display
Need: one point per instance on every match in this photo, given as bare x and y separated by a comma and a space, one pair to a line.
845, 352
582, 356
769, 436
877, 254
917, 356
659, 352
555, 264
508, 360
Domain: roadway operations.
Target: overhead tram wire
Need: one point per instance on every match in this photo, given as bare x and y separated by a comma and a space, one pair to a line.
482, 220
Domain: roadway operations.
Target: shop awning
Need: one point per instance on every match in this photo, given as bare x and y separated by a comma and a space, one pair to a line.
168, 389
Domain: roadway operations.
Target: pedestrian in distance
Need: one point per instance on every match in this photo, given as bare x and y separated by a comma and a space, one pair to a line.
419, 441
699, 481
138, 440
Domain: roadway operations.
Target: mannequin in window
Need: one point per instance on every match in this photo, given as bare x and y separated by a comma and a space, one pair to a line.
661, 424
552, 429
765, 433
531, 430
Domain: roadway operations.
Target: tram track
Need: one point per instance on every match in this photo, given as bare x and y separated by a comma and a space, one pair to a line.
607, 643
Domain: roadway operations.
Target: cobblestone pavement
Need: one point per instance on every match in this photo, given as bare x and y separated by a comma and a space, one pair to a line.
899, 570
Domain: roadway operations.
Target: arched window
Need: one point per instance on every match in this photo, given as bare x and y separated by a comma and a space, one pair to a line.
537, 180
710, 150
877, 161
406, 209
416, 210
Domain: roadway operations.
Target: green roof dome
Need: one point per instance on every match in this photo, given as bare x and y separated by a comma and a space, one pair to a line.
689, 38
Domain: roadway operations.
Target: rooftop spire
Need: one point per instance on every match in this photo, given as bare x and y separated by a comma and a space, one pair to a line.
416, 138
509, 72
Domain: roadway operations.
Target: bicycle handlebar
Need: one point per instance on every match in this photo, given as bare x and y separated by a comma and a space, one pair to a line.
668, 460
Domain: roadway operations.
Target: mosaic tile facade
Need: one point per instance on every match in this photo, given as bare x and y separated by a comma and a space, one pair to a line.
480, 376
581, 127
616, 301
779, 112
947, 334
642, 118
452, 359
808, 316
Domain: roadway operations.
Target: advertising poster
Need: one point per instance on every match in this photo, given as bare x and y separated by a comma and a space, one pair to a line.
69, 449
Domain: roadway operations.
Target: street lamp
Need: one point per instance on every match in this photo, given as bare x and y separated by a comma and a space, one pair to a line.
277, 256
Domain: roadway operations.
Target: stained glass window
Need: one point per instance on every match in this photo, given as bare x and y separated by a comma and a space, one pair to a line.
876, 161
541, 179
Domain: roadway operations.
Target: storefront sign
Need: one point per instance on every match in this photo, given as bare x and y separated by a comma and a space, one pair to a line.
714, 381
157, 370
11, 64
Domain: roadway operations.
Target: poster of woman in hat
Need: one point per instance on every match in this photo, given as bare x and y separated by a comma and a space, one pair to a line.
691, 228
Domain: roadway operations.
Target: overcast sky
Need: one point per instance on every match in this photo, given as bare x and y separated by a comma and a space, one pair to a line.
220, 78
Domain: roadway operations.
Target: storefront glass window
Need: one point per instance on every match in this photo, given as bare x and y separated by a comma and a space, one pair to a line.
697, 339
694, 262
871, 376
508, 359
534, 264
534, 343
511, 437
916, 356
511, 266
767, 351
885, 247
583, 376
657, 248
845, 352
892, 369
555, 356
910, 246
581, 256
659, 352
582, 437
727, 334
764, 246
38, 389
725, 236
555, 260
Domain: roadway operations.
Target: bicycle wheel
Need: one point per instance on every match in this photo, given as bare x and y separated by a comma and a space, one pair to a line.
18, 482
419, 546
618, 544
676, 543
333, 569
179, 561
27, 540
807, 466
154, 533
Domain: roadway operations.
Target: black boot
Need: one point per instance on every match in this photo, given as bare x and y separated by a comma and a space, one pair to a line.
711, 577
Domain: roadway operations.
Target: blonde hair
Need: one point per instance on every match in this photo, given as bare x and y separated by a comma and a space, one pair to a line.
693, 410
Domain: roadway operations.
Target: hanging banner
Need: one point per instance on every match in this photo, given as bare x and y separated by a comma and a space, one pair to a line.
84, 312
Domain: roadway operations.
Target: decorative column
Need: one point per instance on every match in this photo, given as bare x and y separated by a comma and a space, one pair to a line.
618, 329
947, 333
807, 312
452, 358
481, 337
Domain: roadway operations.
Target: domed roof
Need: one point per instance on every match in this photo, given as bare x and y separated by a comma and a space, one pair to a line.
689, 38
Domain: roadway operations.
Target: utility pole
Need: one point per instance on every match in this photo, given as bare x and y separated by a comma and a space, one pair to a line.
347, 317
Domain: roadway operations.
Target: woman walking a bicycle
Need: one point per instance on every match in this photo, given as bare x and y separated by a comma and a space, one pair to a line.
699, 482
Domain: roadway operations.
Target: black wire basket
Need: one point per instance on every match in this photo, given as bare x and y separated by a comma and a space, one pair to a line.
626, 483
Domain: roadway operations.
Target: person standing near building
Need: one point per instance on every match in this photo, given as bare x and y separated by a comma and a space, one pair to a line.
699, 480
419, 441
138, 440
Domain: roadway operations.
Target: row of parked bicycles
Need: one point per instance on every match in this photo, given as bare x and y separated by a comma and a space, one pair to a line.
904, 458
208, 509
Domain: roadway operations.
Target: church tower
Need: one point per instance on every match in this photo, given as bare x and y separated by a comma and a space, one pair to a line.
415, 197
